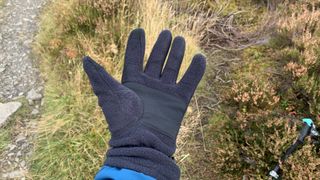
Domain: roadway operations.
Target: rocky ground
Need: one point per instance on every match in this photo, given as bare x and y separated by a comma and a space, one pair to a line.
20, 84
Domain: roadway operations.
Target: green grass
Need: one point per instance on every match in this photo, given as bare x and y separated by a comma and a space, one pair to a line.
72, 135
4, 138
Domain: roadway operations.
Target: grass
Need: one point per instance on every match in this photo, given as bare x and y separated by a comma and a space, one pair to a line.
4, 138
73, 134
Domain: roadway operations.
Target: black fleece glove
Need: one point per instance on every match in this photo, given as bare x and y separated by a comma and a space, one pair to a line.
144, 113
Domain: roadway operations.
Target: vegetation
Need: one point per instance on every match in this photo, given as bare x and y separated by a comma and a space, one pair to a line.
275, 85
262, 76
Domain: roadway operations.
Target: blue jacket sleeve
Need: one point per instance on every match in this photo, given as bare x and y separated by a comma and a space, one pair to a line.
113, 173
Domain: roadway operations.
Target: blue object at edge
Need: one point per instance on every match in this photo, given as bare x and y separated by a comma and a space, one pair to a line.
308, 121
108, 173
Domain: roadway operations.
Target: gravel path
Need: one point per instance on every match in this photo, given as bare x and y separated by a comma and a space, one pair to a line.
19, 77
18, 25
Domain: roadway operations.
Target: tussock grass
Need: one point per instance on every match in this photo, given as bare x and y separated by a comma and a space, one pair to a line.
73, 136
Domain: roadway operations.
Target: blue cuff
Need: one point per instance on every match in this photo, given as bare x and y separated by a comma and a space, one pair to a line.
113, 173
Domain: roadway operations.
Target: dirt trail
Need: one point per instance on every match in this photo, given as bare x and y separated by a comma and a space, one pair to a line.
19, 79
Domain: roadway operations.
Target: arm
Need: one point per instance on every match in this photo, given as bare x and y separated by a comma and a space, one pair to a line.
108, 172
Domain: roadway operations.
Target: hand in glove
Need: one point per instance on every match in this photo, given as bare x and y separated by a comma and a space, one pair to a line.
145, 111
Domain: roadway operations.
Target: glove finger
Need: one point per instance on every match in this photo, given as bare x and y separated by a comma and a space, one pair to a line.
134, 54
171, 70
102, 83
192, 77
158, 54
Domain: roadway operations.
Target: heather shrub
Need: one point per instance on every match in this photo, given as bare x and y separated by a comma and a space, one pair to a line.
254, 93
303, 26
252, 87
251, 145
274, 86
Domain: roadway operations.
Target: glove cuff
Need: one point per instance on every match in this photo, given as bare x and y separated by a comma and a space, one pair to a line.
145, 160
145, 150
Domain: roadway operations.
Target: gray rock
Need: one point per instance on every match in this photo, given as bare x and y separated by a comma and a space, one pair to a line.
11, 147
13, 174
23, 163
30, 102
19, 153
33, 95
35, 112
7, 109
20, 138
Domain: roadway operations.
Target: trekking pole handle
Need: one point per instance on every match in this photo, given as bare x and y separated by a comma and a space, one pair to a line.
308, 126
306, 129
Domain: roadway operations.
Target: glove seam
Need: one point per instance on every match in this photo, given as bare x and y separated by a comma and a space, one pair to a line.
116, 133
141, 81
147, 126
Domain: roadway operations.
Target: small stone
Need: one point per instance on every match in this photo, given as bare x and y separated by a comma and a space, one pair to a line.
11, 147
20, 138
40, 88
33, 95
29, 154
24, 145
13, 174
23, 164
30, 102
21, 93
2, 69
35, 112
19, 153
7, 109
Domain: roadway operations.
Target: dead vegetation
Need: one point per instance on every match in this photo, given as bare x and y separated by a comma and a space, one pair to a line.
220, 25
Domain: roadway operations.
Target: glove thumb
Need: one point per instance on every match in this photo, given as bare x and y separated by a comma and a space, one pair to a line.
102, 83
112, 96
